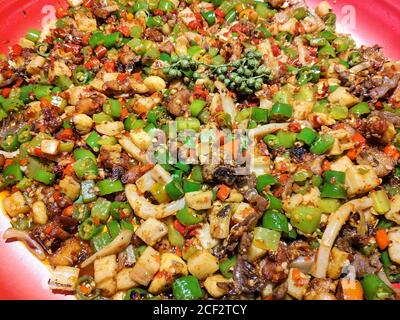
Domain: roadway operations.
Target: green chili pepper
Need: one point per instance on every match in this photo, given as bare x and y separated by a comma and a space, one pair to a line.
259, 115
264, 11
188, 217
307, 135
183, 166
120, 209
114, 228
88, 191
308, 74
300, 13
112, 39
306, 219
196, 107
109, 186
159, 193
385, 223
271, 141
339, 112
139, 5
63, 82
81, 153
101, 117
230, 16
81, 212
360, 109
328, 205
174, 189
12, 173
100, 240
209, 16
265, 180
187, 124
10, 143
22, 223
154, 21
274, 203
156, 115
137, 294
197, 174
33, 35
86, 168
24, 134
87, 230
92, 141
101, 209
165, 5
81, 76
355, 58
333, 191
24, 184
226, 267
326, 52
375, 288
44, 176
286, 138
91, 292
41, 91
322, 144
187, 288
281, 111
191, 186
174, 237
275, 220
266, 239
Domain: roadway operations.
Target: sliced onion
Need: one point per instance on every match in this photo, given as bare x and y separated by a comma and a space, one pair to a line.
335, 223
360, 67
227, 102
116, 246
23, 236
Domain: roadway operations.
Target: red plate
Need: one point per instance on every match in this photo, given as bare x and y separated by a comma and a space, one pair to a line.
24, 277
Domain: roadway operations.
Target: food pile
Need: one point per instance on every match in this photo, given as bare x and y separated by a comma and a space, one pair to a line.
315, 217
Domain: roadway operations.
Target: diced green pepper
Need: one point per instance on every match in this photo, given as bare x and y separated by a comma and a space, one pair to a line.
109, 186
266, 239
265, 180
226, 267
375, 288
275, 220
88, 191
188, 217
306, 219
187, 288
101, 209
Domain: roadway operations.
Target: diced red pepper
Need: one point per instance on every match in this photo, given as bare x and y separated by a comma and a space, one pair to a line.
61, 12
88, 3
219, 13
122, 77
276, 51
109, 65
6, 92
100, 51
92, 63
16, 50
125, 31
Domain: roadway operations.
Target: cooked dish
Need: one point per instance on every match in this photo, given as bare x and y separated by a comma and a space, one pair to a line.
107, 119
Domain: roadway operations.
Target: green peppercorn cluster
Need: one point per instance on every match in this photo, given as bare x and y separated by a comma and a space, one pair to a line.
182, 67
244, 76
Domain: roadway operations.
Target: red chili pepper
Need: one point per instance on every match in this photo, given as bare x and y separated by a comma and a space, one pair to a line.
122, 77
179, 227
379, 105
125, 31
61, 12
37, 151
100, 51
88, 3
16, 50
219, 13
6, 92
158, 12
294, 127
45, 103
276, 51
92, 63
109, 65
72, 47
